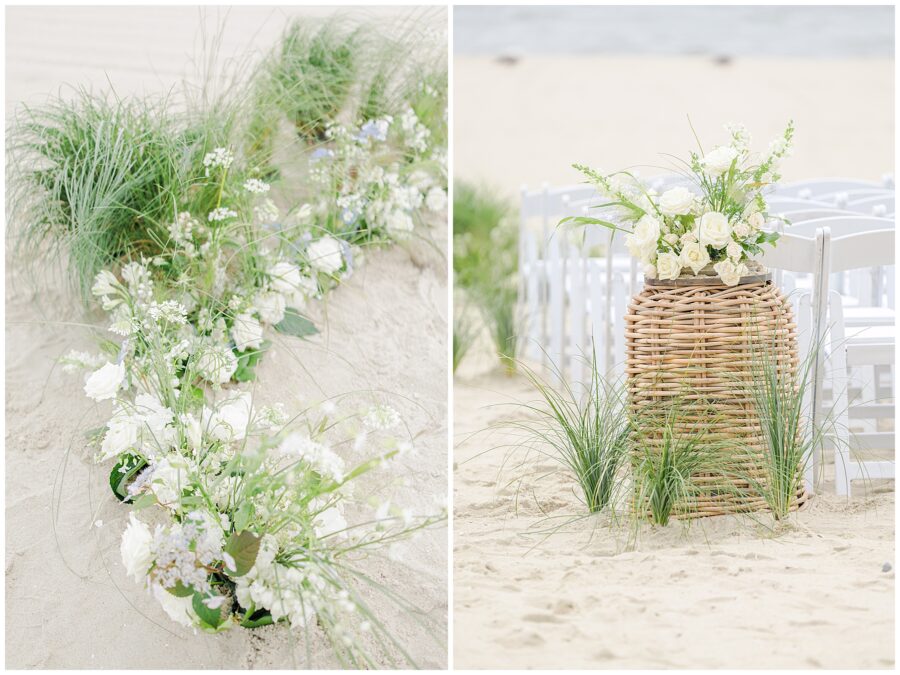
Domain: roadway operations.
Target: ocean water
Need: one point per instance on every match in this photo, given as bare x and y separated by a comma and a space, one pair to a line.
718, 31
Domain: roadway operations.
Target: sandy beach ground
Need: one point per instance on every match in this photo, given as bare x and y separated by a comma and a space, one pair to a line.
726, 593
68, 601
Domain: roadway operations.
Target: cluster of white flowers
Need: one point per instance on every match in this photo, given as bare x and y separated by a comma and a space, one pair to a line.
220, 158
721, 226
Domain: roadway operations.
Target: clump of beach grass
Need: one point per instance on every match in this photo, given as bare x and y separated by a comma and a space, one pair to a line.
585, 428
782, 402
667, 458
95, 178
464, 335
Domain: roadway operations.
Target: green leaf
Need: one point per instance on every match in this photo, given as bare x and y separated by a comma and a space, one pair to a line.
243, 547
179, 590
123, 473
295, 324
242, 516
213, 618
261, 617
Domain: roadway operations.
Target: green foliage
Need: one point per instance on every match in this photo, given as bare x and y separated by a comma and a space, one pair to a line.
123, 473
485, 262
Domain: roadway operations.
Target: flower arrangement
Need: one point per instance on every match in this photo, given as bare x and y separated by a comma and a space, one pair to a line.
715, 224
250, 525
242, 514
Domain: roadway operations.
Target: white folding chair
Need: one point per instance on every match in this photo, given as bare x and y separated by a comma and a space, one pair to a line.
876, 205
814, 188
778, 205
862, 348
802, 254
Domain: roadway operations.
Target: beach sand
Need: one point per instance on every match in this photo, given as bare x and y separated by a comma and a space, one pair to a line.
727, 593
68, 601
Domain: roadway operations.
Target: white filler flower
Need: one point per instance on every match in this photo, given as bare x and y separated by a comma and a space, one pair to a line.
105, 381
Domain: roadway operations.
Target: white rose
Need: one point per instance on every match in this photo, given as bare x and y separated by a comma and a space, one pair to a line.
671, 239
285, 277
676, 202
714, 230
695, 256
105, 381
231, 418
688, 237
121, 435
270, 307
135, 548
742, 229
399, 224
247, 332
718, 161
756, 221
325, 255
180, 610
217, 364
436, 199
729, 272
734, 250
668, 266
650, 271
644, 237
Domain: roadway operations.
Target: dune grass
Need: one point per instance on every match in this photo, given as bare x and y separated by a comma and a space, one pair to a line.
586, 432
93, 178
790, 436
464, 335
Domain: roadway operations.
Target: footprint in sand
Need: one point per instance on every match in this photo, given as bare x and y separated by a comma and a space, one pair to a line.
540, 618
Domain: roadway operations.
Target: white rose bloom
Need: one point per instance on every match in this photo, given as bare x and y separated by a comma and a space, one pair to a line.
180, 610
650, 271
695, 256
247, 332
729, 273
270, 306
231, 418
671, 239
742, 229
668, 266
135, 548
714, 230
688, 237
436, 199
734, 250
216, 364
105, 381
285, 277
718, 161
325, 255
643, 239
676, 202
756, 221
121, 435
399, 224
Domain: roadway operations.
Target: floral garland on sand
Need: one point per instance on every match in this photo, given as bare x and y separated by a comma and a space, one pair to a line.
716, 225
250, 504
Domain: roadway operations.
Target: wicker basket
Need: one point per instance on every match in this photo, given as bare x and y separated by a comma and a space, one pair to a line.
692, 339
